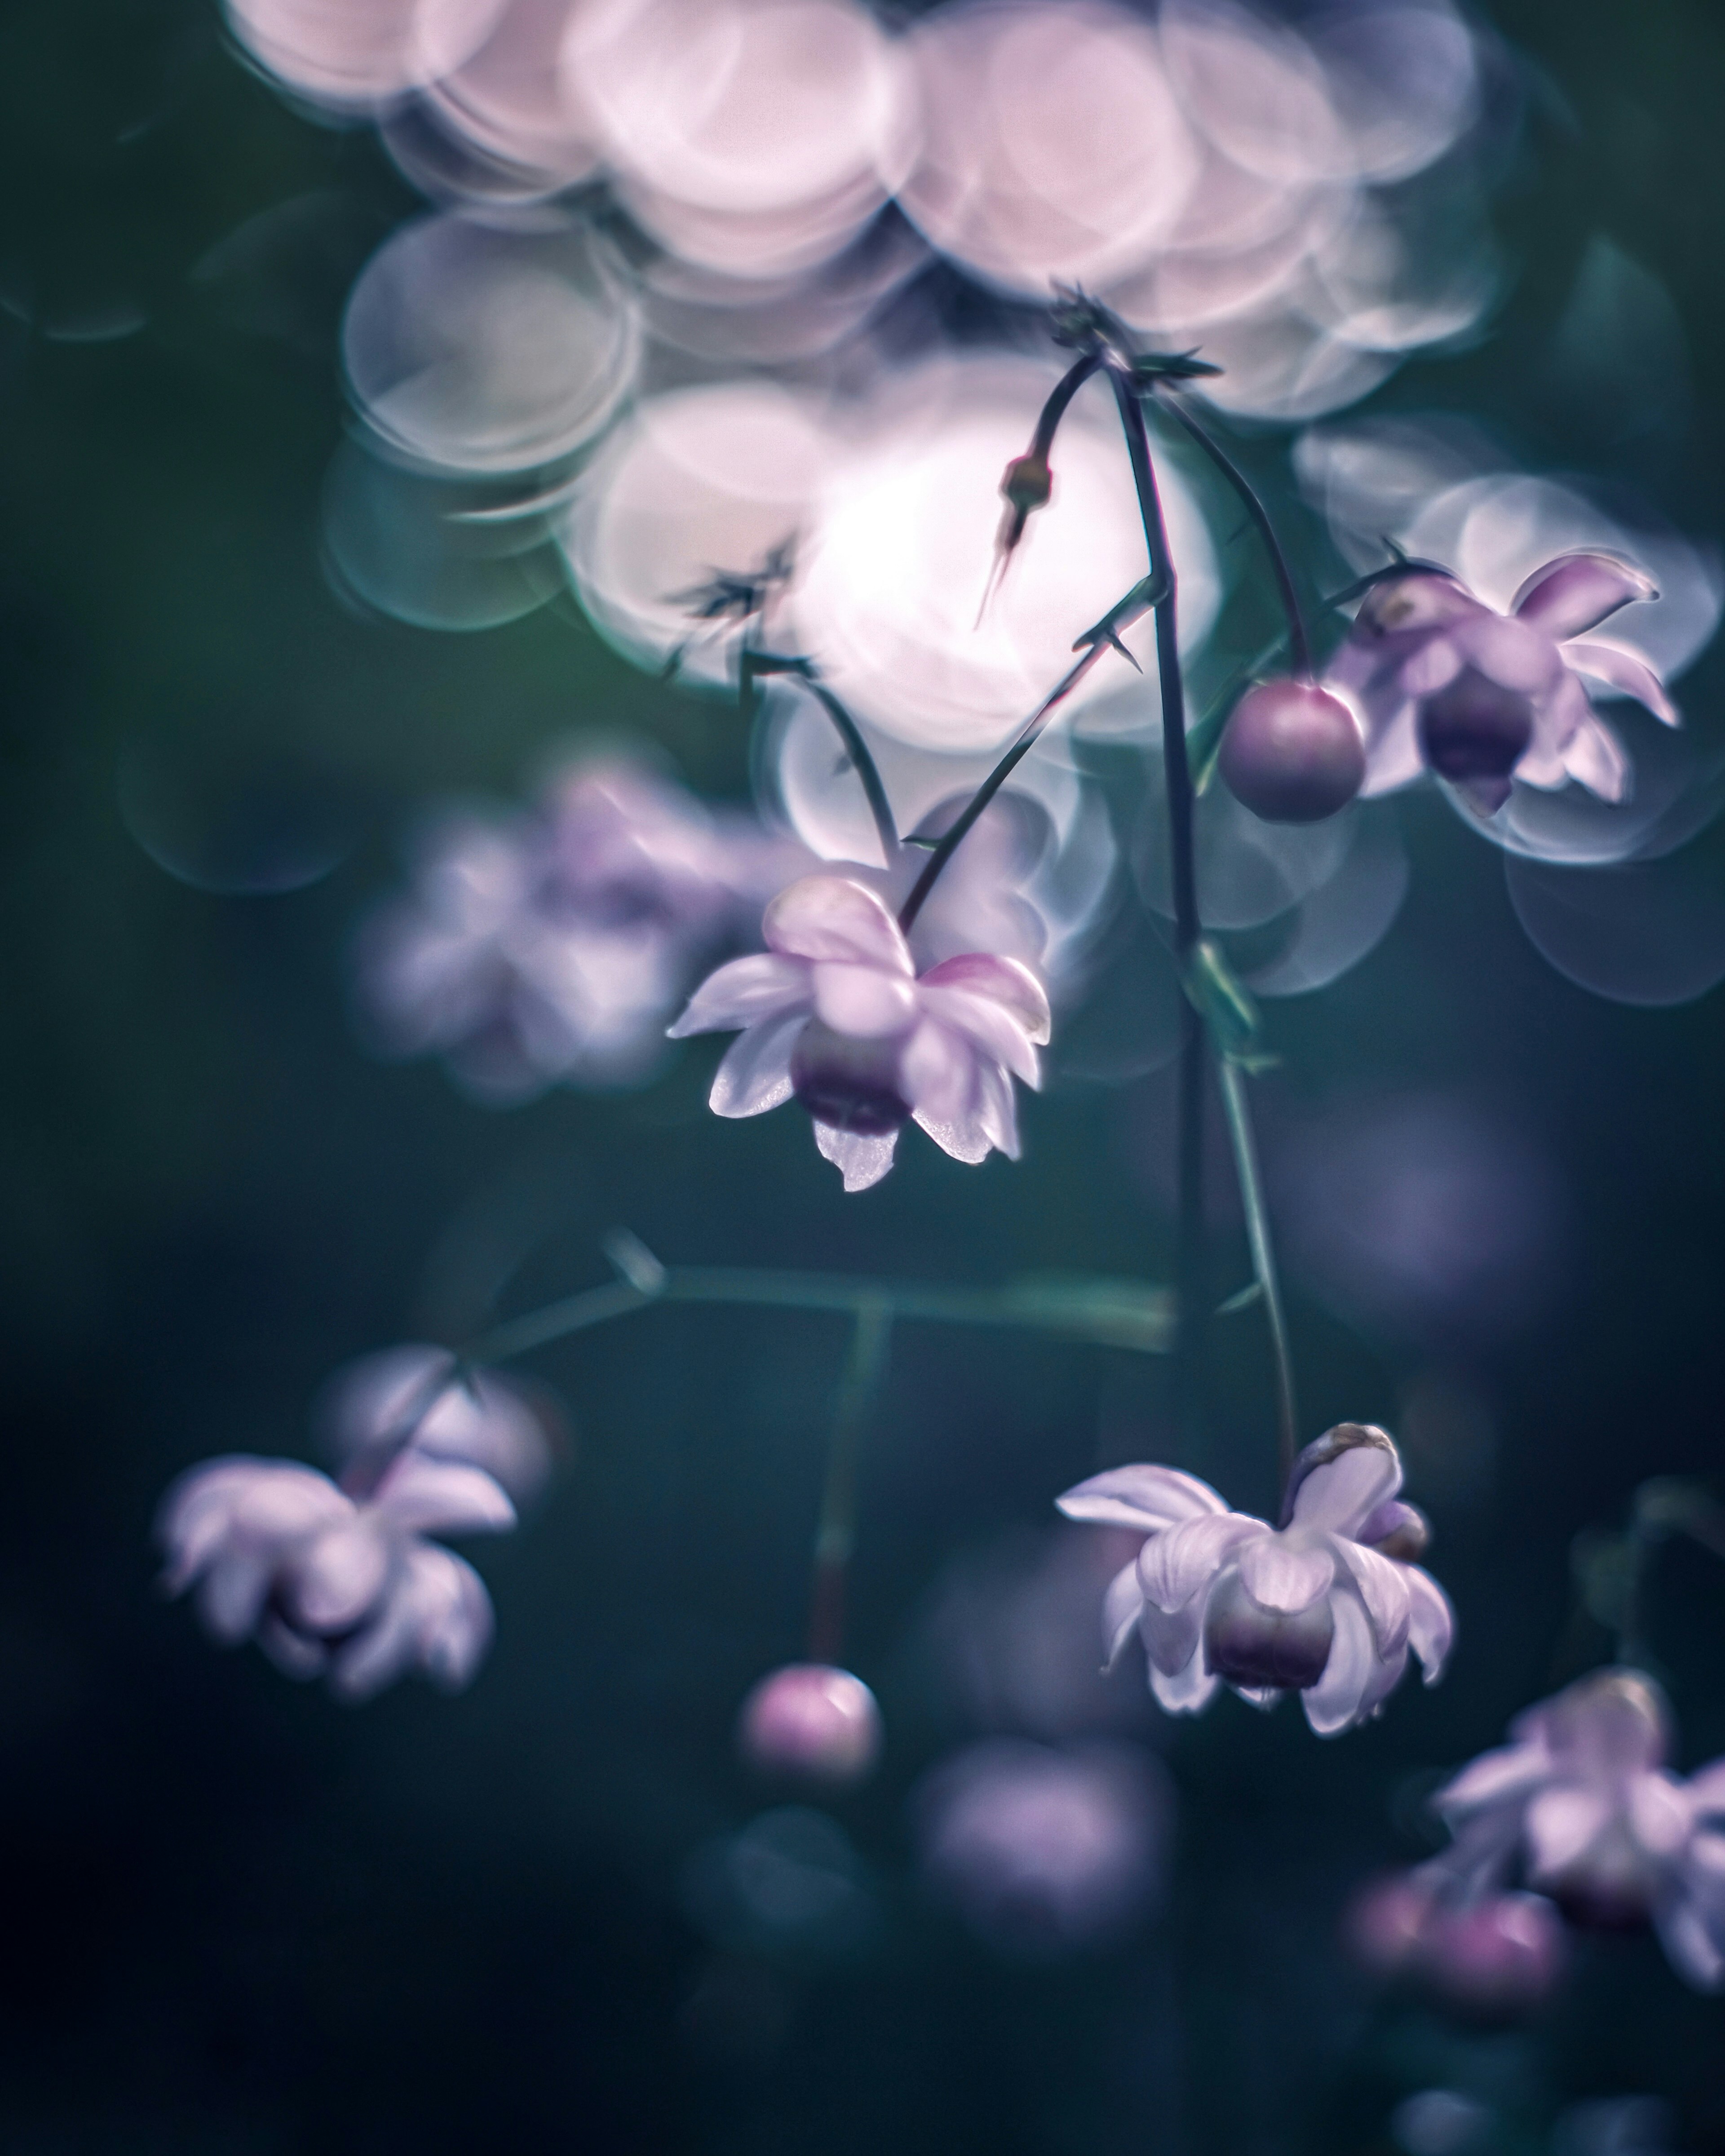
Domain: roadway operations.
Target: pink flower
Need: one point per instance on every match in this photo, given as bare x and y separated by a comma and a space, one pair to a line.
416, 1395
1445, 684
1323, 1605
1493, 1953
1580, 1799
332, 1585
833, 1011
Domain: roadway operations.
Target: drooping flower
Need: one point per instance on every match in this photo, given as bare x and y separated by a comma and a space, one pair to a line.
1326, 1603
418, 1393
333, 1584
1445, 684
834, 1013
1581, 1802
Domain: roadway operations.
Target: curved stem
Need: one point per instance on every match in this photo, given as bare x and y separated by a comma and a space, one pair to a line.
757, 663
1299, 643
1059, 397
1257, 1221
836, 1535
1182, 865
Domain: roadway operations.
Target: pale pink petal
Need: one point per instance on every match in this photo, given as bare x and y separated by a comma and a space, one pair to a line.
1121, 1607
1707, 1785
1174, 1566
284, 1502
1339, 1698
1434, 666
963, 1137
425, 1495
755, 1073
863, 1001
745, 992
1173, 1639
1186, 1690
1003, 981
1625, 670
335, 1581
1431, 1622
994, 1029
1145, 1498
1694, 1948
829, 916
861, 1161
1576, 592
999, 1106
1285, 1575
1385, 1676
1384, 1589
1506, 1776
1661, 1813
437, 1621
1341, 1494
1594, 756
937, 1072
1508, 652
1392, 756
1561, 1824
232, 1593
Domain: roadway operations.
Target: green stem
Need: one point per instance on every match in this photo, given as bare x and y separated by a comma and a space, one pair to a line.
835, 1536
1257, 1221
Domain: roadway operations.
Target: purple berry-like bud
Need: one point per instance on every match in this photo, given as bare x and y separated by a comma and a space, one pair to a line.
1292, 752
812, 1721
1475, 733
1498, 1954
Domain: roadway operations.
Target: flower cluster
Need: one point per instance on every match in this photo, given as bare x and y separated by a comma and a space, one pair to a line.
1326, 1603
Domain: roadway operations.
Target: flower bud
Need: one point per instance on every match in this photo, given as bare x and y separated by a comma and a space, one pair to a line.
1498, 1954
1027, 483
812, 1721
1292, 752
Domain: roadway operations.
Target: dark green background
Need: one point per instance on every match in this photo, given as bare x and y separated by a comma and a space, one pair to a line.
239, 1918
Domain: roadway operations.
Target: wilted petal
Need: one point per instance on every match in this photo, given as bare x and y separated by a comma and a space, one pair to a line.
1576, 592
830, 917
1145, 1498
1174, 1566
443, 1496
1561, 1822
756, 1073
1004, 981
1594, 757
1340, 1493
1285, 1575
998, 1032
1339, 1697
1383, 1587
1661, 1813
863, 1001
746, 992
335, 1580
1625, 670
861, 1161
1431, 1622
1121, 1607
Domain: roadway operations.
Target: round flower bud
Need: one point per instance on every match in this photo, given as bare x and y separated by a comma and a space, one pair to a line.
812, 1721
1498, 1954
1292, 752
1027, 483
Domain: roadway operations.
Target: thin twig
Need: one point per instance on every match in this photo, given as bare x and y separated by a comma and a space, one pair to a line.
756, 664
1257, 1223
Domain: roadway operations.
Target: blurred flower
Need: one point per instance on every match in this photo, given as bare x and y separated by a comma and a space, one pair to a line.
417, 1395
813, 1720
833, 1011
551, 948
1043, 1850
1313, 1606
1445, 684
1581, 1800
334, 1584
1495, 1953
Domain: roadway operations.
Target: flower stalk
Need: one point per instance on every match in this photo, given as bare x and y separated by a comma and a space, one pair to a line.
835, 1534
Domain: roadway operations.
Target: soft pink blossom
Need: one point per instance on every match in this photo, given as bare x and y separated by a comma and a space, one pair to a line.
1445, 684
1495, 1952
333, 1584
417, 1395
834, 1013
1323, 1605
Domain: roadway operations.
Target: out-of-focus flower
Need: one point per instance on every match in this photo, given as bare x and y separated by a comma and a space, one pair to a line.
333, 1584
833, 1011
813, 1720
1043, 1850
1581, 1800
1314, 1605
417, 1395
1495, 1953
1446, 684
1292, 754
552, 948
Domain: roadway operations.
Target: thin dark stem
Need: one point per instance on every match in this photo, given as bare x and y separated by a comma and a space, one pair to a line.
1299, 643
1257, 1221
1188, 1353
1059, 397
755, 663
835, 1536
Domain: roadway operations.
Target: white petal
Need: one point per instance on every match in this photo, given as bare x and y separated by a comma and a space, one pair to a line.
1285, 1575
1145, 1498
437, 1620
965, 1138
1339, 1697
292, 1653
1003, 981
1431, 1622
1187, 1690
333, 1582
1342, 1494
1594, 757
1173, 1639
1661, 1813
1576, 592
1392, 756
861, 1161
1174, 1566
1434, 666
999, 1108
864, 1002
1121, 1607
1561, 1824
1383, 1587
938, 1073
756, 1073
425, 1495
829, 916
986, 1026
1623, 670
744, 992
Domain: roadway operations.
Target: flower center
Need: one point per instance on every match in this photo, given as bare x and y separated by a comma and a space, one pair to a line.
851, 1084
1475, 730
1246, 1644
